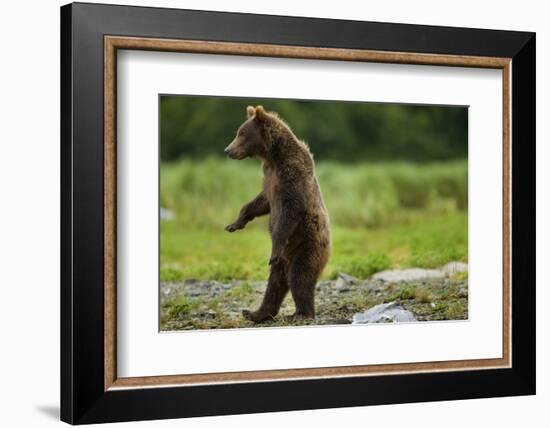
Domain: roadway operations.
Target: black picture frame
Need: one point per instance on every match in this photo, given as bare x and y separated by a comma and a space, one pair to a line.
83, 398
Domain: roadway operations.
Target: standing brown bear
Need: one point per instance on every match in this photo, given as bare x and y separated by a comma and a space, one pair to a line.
298, 224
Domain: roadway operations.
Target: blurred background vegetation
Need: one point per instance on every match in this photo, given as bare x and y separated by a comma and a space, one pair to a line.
394, 178
195, 127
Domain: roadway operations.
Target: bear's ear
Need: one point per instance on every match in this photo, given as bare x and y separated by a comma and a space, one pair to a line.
250, 111
260, 113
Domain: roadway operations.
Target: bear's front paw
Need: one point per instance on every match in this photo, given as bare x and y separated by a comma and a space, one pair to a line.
233, 227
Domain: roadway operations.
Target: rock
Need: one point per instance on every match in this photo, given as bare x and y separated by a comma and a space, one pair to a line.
214, 288
339, 283
462, 292
166, 214
384, 313
348, 279
407, 275
343, 282
341, 286
194, 292
172, 289
376, 286
455, 267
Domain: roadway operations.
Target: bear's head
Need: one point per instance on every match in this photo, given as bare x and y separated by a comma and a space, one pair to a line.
251, 137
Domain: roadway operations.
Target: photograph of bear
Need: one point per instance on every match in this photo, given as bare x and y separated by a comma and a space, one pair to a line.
299, 223
298, 213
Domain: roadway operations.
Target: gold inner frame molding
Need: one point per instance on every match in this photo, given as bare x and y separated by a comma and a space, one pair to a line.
113, 43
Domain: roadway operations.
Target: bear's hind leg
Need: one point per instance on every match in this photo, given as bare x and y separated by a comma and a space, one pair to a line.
302, 280
277, 288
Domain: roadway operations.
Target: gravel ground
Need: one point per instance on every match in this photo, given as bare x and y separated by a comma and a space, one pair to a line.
429, 294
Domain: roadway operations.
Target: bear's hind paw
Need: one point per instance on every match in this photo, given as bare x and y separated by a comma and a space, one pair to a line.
255, 317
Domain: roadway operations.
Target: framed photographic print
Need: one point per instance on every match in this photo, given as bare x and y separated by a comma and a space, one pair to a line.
265, 213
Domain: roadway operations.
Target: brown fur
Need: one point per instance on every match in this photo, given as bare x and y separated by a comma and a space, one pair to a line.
298, 224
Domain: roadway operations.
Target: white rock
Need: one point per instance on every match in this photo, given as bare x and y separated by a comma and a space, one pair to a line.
166, 214
454, 267
340, 283
384, 313
415, 274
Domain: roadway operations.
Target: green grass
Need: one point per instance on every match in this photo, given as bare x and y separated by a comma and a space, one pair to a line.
241, 291
216, 254
361, 265
382, 215
209, 193
404, 294
178, 306
418, 293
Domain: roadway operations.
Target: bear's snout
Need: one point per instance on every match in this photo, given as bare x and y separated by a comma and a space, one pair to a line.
230, 153
235, 152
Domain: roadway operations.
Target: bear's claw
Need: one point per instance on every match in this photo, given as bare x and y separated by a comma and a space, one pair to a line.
231, 227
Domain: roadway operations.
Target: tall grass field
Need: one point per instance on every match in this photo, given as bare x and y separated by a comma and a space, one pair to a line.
383, 215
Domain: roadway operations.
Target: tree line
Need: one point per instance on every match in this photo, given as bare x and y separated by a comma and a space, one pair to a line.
198, 127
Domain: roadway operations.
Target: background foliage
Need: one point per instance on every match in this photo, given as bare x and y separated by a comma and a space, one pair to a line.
338, 131
394, 179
